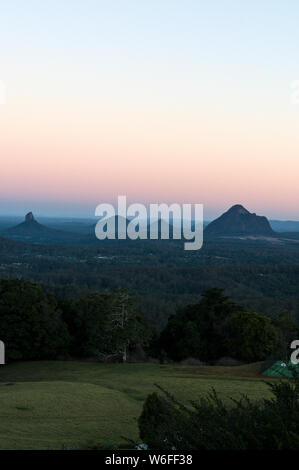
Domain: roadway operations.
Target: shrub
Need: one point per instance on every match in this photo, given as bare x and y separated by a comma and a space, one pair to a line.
228, 362
191, 361
210, 424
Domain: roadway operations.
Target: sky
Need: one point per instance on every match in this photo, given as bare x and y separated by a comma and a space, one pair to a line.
162, 101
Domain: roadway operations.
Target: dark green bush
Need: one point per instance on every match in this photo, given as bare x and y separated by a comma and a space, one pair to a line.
210, 424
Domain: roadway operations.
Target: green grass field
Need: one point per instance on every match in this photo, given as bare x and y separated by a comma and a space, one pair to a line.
50, 404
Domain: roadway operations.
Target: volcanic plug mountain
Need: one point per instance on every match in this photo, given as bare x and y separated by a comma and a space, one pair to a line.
31, 231
239, 221
28, 227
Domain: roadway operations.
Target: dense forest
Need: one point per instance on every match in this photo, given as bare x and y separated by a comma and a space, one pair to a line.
161, 275
36, 325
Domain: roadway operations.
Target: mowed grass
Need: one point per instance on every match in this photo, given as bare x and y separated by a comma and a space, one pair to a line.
49, 404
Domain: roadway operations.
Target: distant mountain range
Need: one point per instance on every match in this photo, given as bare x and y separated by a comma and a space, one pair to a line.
239, 221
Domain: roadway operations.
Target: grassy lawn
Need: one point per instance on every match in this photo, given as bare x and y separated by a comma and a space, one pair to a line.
48, 404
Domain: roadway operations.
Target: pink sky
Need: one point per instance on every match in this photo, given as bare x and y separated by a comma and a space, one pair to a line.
62, 157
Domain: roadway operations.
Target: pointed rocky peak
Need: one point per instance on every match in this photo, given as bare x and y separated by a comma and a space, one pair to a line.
29, 217
29, 230
238, 209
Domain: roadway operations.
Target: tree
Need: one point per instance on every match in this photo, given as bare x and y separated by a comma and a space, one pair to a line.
200, 330
31, 325
104, 325
124, 326
251, 336
86, 319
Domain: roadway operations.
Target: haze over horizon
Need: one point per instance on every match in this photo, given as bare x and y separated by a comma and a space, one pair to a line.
89, 214
164, 101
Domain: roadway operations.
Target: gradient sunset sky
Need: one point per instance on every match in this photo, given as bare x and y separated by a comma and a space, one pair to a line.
183, 101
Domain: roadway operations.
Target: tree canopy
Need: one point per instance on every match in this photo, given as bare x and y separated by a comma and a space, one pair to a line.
30, 322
